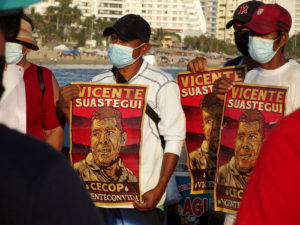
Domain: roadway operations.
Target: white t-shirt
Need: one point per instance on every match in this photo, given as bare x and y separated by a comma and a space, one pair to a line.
288, 75
13, 101
164, 98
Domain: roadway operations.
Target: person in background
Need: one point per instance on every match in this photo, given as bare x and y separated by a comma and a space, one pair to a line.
269, 32
242, 15
269, 28
38, 186
129, 41
29, 102
272, 194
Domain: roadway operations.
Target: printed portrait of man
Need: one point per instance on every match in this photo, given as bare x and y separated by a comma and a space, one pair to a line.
103, 163
205, 156
248, 142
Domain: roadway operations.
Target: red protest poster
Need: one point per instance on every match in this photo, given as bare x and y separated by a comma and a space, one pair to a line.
106, 137
250, 112
203, 118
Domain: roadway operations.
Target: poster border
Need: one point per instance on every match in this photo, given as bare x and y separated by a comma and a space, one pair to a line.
193, 192
112, 205
220, 139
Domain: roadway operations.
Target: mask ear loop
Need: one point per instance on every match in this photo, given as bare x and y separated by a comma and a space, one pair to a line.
137, 48
275, 41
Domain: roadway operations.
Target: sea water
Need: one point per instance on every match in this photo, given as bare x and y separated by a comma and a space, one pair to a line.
65, 76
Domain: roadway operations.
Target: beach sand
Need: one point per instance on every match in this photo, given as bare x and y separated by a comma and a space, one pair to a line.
52, 58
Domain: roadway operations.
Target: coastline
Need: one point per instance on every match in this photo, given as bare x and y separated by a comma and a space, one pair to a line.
52, 60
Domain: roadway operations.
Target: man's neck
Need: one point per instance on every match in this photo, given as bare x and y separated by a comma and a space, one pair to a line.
111, 171
129, 71
24, 63
250, 63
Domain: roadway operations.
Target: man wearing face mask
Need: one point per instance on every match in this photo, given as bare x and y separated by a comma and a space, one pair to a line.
29, 103
129, 41
38, 186
269, 27
242, 15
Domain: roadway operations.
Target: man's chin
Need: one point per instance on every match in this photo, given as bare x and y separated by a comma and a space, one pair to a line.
106, 164
245, 169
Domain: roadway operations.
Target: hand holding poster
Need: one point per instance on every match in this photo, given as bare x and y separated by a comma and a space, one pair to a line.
106, 123
250, 111
203, 117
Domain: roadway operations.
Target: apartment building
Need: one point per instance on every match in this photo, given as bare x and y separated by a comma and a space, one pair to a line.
42, 6
209, 8
182, 16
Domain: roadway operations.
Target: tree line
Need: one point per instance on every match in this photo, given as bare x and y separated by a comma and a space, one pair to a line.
65, 24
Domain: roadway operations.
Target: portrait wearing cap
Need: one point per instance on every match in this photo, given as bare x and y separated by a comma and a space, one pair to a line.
130, 27
25, 35
17, 48
242, 15
270, 25
129, 41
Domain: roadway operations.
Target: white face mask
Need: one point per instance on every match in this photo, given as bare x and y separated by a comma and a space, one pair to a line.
261, 49
13, 53
120, 55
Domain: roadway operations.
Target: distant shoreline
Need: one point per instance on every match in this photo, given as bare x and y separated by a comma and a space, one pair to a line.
51, 59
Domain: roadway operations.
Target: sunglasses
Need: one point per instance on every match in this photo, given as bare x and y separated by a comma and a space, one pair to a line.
10, 23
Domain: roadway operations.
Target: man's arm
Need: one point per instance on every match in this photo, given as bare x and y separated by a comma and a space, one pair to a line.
151, 198
172, 127
55, 136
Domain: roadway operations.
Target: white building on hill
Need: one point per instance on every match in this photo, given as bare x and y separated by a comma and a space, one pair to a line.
182, 16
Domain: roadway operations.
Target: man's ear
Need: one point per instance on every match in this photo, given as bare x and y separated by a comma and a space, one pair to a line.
284, 38
124, 139
145, 48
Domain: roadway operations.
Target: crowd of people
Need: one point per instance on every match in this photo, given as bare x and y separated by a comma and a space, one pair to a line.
40, 187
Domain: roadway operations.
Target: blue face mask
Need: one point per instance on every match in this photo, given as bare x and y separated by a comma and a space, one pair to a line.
261, 49
13, 53
120, 55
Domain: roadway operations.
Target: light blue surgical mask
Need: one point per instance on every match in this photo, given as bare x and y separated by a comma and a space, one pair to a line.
13, 53
261, 49
120, 55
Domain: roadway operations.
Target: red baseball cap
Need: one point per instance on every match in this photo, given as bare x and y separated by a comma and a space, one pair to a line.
268, 18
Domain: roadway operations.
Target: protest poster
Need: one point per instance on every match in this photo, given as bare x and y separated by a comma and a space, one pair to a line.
249, 113
203, 114
191, 209
105, 141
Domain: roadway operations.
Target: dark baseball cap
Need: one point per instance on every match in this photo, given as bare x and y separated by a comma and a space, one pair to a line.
269, 18
244, 12
130, 27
